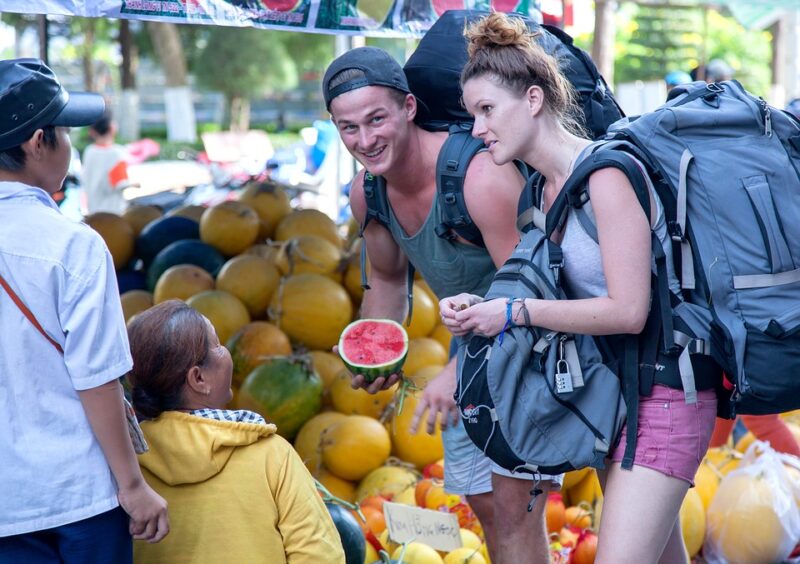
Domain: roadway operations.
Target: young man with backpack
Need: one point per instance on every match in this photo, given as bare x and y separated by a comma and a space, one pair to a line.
373, 108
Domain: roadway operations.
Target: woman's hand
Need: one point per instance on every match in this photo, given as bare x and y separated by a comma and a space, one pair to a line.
486, 318
448, 307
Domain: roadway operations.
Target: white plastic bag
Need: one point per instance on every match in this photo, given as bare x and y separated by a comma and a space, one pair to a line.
754, 516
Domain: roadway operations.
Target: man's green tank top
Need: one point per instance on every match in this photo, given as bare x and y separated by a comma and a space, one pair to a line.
449, 267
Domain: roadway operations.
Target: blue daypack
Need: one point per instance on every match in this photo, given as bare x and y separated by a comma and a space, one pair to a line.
535, 400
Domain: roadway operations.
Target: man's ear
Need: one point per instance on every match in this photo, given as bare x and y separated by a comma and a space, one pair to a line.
196, 382
535, 98
34, 147
410, 106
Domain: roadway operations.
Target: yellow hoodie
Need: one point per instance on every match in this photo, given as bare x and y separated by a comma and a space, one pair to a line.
237, 492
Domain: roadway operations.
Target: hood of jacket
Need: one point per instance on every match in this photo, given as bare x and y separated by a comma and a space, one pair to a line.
187, 449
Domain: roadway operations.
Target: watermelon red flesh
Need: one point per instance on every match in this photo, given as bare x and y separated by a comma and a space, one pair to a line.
373, 347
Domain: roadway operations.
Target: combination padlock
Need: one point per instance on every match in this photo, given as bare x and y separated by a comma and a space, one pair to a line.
563, 378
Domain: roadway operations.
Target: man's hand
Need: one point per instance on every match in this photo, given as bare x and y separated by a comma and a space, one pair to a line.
147, 510
381, 383
437, 398
449, 307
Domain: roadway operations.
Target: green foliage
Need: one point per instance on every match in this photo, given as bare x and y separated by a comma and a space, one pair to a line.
245, 62
655, 40
652, 41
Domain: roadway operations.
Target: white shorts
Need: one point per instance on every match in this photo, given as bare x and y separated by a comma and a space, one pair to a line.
467, 471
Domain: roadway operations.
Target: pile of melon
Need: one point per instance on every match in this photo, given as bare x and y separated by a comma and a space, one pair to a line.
280, 285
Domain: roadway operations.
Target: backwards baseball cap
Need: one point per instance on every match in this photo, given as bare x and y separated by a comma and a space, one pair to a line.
379, 69
31, 97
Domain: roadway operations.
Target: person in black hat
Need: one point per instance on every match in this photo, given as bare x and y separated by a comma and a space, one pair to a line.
370, 102
70, 485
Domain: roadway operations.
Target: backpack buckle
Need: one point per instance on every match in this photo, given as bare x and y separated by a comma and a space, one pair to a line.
443, 231
675, 231
450, 198
452, 164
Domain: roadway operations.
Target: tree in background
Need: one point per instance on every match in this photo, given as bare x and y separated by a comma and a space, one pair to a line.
180, 116
243, 63
652, 41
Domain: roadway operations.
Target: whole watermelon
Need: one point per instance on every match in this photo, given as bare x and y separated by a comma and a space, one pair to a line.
189, 251
158, 234
286, 391
355, 550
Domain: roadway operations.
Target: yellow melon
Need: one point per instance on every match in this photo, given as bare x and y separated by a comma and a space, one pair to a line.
465, 555
693, 522
310, 254
254, 343
743, 524
706, 482
387, 481
117, 234
723, 459
225, 312
587, 489
139, 216
135, 301
181, 282
327, 365
308, 222
308, 443
269, 251
419, 449
421, 377
441, 334
406, 497
343, 489
418, 553
744, 442
352, 273
191, 211
470, 539
270, 202
424, 314
371, 556
422, 352
252, 279
312, 309
351, 401
229, 227
354, 447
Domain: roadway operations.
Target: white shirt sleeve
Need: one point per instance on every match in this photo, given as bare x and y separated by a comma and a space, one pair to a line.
96, 347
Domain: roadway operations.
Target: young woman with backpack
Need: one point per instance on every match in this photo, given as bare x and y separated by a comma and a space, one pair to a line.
523, 109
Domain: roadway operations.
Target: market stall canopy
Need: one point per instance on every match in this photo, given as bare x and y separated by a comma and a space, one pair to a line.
381, 18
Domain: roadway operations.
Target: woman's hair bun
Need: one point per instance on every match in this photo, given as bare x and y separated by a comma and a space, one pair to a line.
496, 30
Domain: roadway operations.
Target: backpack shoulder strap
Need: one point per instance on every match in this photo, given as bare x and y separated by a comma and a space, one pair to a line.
377, 202
529, 214
378, 209
451, 168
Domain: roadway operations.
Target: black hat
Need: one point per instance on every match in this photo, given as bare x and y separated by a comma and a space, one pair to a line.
31, 97
379, 69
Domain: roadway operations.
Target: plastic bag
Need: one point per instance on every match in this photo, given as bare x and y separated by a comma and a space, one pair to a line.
754, 516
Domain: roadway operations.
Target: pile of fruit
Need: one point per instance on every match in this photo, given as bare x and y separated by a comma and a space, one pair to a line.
280, 285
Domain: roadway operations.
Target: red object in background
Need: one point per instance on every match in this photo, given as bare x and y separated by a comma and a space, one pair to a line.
558, 13
141, 150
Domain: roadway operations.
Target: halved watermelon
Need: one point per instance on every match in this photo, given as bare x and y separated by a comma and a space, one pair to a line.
373, 347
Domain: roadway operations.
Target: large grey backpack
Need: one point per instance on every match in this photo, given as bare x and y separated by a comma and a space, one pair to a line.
531, 399
725, 166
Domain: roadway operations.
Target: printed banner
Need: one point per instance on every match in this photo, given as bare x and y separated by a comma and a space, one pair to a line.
382, 18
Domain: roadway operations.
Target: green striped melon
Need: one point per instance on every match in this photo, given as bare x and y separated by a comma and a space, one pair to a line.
285, 390
373, 347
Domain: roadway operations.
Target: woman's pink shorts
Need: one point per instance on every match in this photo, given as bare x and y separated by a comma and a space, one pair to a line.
673, 436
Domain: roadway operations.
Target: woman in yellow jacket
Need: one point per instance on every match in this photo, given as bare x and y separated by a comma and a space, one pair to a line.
237, 492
